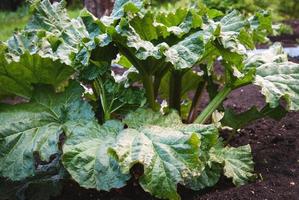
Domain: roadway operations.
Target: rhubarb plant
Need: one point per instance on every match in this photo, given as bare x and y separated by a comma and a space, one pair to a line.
100, 96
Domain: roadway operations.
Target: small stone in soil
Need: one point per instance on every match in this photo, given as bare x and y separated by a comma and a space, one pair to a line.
292, 183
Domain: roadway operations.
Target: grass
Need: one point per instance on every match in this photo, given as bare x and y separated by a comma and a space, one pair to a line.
13, 21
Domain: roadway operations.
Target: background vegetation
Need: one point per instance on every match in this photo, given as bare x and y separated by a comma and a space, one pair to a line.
14, 14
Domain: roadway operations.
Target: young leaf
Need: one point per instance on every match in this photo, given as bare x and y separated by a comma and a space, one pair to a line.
35, 127
261, 23
237, 121
121, 100
85, 155
237, 162
117, 96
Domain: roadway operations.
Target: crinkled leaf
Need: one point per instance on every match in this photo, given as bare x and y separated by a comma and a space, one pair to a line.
279, 80
35, 127
277, 77
98, 46
85, 155
237, 162
72, 40
33, 42
169, 157
227, 30
121, 8
144, 55
53, 18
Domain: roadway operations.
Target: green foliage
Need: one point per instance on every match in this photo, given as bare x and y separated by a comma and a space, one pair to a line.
288, 9
89, 143
12, 21
35, 127
103, 132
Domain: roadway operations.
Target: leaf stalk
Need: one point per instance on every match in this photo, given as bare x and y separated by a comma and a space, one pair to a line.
213, 105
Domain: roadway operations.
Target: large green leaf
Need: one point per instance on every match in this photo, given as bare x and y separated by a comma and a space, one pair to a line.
277, 77
85, 155
34, 128
169, 157
17, 77
237, 162
151, 122
72, 40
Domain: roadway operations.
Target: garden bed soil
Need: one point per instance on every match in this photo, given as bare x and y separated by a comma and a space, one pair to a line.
275, 147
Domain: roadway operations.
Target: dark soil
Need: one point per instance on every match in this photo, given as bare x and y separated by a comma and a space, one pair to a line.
275, 147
